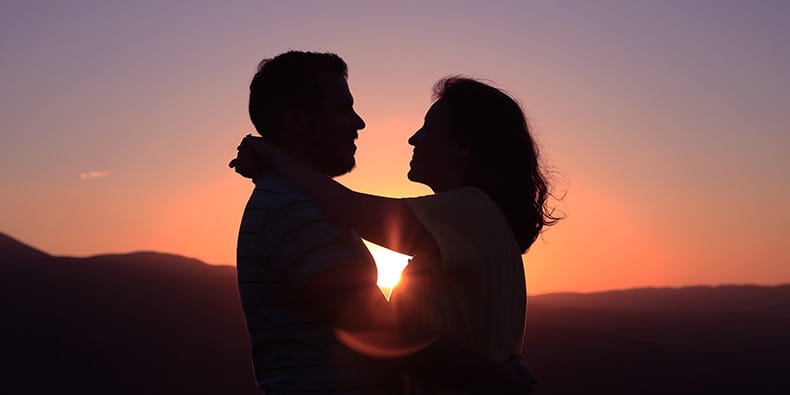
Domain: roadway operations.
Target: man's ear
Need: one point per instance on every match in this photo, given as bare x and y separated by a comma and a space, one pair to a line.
295, 120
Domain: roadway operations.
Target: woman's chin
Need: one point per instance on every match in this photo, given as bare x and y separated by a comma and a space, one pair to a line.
411, 176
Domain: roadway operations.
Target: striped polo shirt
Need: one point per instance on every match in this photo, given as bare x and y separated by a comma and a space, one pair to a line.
284, 240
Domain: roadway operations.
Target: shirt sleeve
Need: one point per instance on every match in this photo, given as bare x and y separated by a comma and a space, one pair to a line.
463, 223
304, 242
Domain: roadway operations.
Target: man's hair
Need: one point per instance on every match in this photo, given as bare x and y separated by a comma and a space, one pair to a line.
504, 157
289, 80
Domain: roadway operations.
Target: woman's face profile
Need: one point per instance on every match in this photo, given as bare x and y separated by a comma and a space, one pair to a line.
435, 158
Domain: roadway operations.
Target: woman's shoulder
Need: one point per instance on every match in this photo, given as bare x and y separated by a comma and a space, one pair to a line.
465, 223
469, 196
467, 205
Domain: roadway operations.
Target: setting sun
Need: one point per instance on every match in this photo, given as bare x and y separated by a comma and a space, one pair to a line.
390, 264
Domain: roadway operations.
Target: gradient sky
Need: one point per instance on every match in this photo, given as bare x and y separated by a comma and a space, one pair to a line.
664, 123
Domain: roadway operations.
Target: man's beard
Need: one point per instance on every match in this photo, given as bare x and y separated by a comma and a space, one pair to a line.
330, 163
339, 169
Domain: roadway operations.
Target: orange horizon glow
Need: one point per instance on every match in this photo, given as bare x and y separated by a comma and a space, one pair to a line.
663, 124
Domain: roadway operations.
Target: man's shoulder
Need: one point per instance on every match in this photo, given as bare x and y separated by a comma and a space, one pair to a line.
284, 228
274, 193
271, 183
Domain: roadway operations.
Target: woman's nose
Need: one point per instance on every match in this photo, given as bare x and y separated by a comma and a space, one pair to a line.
413, 139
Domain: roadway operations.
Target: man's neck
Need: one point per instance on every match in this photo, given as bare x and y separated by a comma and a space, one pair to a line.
297, 150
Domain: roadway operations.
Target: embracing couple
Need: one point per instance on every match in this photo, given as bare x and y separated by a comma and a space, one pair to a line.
318, 322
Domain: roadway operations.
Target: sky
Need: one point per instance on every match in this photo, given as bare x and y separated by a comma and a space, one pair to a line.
663, 124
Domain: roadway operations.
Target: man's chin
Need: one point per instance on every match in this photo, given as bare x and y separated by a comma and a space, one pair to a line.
338, 171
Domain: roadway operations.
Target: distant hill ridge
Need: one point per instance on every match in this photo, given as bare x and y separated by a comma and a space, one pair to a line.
147, 256
13, 249
748, 298
138, 323
148, 322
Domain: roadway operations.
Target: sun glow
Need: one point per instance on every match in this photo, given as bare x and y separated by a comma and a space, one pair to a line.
390, 265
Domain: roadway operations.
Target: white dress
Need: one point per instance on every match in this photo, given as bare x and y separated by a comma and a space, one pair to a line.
475, 292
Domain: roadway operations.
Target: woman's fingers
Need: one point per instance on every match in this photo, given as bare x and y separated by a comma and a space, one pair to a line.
247, 162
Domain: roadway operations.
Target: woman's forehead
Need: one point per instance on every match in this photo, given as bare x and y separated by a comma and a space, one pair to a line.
439, 109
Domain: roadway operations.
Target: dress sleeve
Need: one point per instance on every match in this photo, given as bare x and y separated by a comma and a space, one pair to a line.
463, 223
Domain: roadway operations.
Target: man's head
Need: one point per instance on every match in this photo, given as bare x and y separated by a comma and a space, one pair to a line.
301, 101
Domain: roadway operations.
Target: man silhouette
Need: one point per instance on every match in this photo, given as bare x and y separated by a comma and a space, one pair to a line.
302, 276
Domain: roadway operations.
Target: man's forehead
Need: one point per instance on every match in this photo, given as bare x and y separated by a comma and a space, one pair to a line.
334, 85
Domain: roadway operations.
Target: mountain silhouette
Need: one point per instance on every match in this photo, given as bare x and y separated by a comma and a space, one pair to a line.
152, 323
729, 298
141, 323
695, 340
15, 251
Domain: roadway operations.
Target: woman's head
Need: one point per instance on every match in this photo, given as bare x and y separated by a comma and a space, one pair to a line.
437, 161
475, 134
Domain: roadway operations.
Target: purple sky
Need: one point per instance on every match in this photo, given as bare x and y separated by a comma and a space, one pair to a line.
666, 122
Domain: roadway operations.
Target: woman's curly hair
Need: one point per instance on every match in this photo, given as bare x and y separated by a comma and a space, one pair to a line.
504, 158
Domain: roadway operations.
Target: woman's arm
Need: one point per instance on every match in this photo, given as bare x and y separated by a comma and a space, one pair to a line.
385, 221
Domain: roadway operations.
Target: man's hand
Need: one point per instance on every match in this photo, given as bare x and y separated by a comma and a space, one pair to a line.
247, 163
